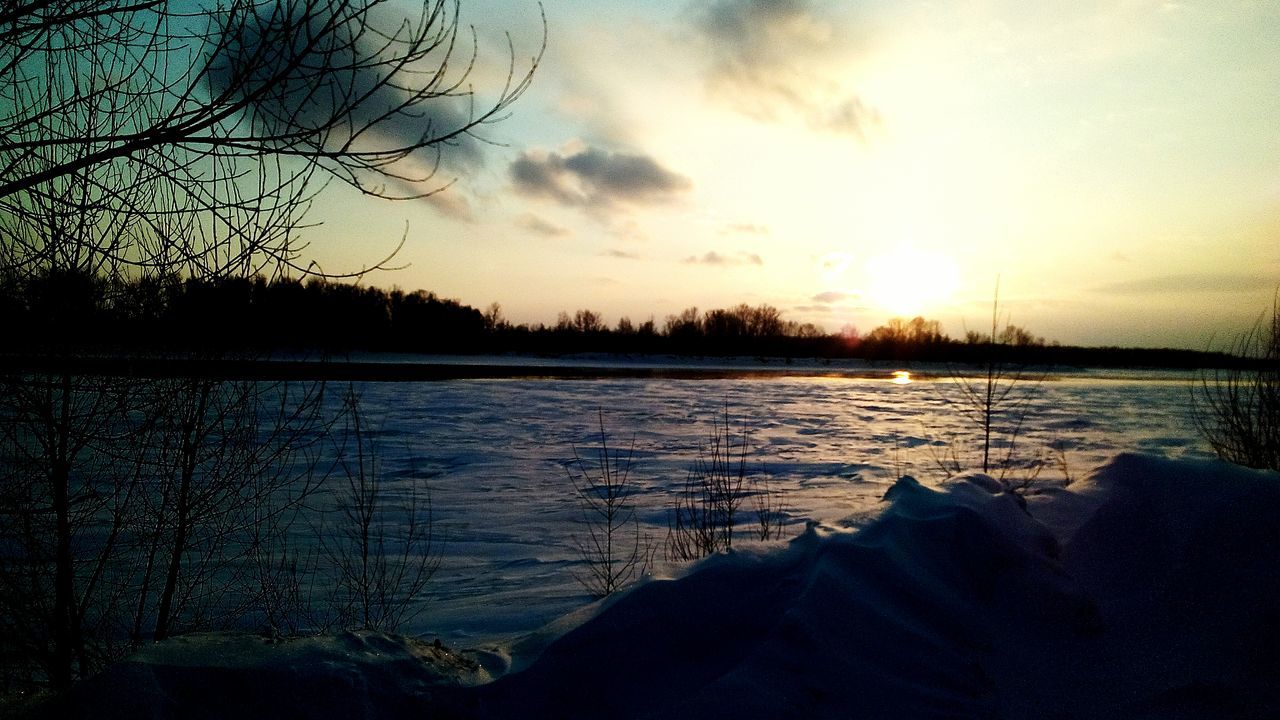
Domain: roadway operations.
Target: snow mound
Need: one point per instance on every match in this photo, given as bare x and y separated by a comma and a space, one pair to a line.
895, 620
1154, 596
1152, 593
241, 676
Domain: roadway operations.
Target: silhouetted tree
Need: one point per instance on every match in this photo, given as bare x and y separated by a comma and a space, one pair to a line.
996, 402
725, 325
1009, 336
186, 136
1237, 409
588, 321
611, 548
684, 326
148, 139
493, 319
902, 339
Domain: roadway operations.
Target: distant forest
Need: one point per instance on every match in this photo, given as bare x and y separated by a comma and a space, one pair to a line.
62, 312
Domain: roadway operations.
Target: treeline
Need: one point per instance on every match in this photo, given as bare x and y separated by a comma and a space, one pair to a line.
234, 313
75, 310
740, 330
78, 310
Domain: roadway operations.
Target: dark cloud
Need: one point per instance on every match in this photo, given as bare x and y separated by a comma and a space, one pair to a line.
592, 177
1192, 283
541, 227
738, 22
774, 58
714, 258
543, 176
304, 70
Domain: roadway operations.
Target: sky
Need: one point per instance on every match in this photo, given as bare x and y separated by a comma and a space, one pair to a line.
1113, 166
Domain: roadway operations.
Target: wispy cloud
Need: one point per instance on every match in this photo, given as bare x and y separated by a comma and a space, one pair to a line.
835, 262
1192, 283
831, 296
451, 203
774, 58
539, 226
594, 177
620, 254
744, 228
718, 259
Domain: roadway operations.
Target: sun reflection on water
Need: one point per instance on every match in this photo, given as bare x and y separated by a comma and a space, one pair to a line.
901, 377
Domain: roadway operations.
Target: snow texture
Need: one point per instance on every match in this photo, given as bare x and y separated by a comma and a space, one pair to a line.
1150, 591
494, 454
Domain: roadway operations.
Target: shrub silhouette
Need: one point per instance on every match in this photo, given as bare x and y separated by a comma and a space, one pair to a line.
1237, 409
612, 548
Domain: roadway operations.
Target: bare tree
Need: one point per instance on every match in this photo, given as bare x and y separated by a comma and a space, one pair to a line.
770, 509
381, 550
56, 484
143, 138
200, 131
612, 548
225, 459
704, 518
127, 507
996, 402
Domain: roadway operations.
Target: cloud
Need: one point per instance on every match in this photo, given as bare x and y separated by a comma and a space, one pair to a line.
1192, 283
717, 259
271, 60
746, 229
835, 262
452, 204
831, 296
773, 58
833, 301
620, 254
537, 225
595, 178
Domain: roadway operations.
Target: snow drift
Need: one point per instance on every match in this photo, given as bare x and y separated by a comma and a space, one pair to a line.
1147, 591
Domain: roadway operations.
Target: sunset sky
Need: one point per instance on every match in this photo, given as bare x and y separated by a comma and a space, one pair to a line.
1115, 164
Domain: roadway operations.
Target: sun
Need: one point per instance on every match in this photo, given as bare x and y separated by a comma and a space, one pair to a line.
909, 282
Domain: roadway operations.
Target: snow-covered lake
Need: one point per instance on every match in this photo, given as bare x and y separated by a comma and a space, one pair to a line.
494, 454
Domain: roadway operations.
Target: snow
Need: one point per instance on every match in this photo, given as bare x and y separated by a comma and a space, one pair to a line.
1147, 590
494, 453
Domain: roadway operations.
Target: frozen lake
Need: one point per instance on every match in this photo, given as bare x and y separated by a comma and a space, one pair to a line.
494, 453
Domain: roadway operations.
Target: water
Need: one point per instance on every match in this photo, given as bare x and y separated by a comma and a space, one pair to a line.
496, 454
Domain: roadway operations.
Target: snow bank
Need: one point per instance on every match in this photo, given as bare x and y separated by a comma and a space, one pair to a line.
896, 620
238, 676
1151, 592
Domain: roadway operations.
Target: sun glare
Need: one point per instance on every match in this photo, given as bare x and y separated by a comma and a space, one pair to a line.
909, 282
